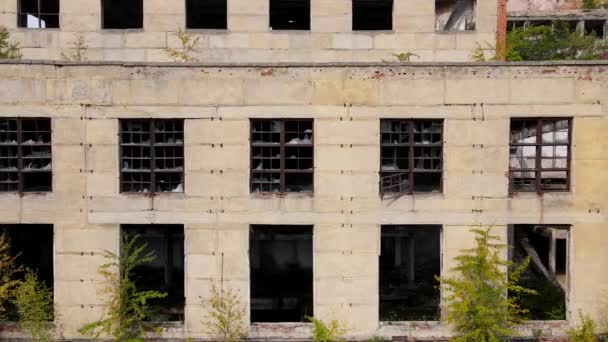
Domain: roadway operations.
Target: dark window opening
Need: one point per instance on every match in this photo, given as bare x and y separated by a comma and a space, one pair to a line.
409, 262
166, 272
539, 155
281, 267
282, 155
152, 155
411, 155
25, 155
39, 13
455, 15
290, 14
206, 14
597, 28
547, 274
32, 245
372, 14
122, 14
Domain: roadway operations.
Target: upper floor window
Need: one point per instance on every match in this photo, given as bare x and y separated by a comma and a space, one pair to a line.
152, 155
411, 156
39, 13
122, 14
372, 15
206, 14
539, 155
455, 15
290, 14
25, 155
282, 155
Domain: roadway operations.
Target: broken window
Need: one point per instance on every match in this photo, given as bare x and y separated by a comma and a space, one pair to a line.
411, 156
25, 155
547, 274
290, 14
455, 15
206, 14
597, 28
39, 13
166, 272
539, 155
32, 245
152, 155
122, 14
372, 14
280, 258
282, 155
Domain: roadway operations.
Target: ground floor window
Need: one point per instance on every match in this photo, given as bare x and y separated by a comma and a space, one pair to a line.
409, 262
166, 272
281, 272
32, 245
547, 246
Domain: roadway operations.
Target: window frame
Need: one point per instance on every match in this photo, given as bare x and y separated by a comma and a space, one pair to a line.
151, 146
410, 145
20, 158
538, 169
39, 13
282, 146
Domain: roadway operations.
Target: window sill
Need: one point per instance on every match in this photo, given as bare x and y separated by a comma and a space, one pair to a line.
524, 194
282, 194
457, 32
388, 196
126, 30
206, 30
38, 29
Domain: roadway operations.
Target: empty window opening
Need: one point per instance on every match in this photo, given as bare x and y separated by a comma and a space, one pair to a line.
597, 28
152, 155
547, 248
281, 271
539, 155
122, 14
166, 272
372, 14
455, 15
290, 14
32, 245
206, 14
25, 155
282, 156
409, 262
411, 156
39, 13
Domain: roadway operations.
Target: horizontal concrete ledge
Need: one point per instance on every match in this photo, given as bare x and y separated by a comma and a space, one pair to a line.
597, 14
302, 65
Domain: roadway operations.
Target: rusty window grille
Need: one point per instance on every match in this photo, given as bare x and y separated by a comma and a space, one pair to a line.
38, 14
411, 156
25, 155
152, 155
539, 155
282, 155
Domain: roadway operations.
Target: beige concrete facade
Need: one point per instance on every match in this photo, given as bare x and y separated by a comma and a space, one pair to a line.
249, 38
346, 102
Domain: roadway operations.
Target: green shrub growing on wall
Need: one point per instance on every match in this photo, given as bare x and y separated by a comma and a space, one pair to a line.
34, 302
127, 312
226, 315
476, 300
333, 331
8, 49
585, 332
8, 275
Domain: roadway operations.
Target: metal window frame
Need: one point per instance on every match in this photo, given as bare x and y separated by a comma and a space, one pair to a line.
410, 145
152, 121
39, 14
282, 145
20, 145
538, 170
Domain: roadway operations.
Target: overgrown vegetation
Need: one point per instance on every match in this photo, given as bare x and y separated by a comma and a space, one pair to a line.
480, 52
333, 331
127, 313
585, 332
594, 4
8, 275
79, 49
8, 48
34, 302
556, 42
477, 300
188, 45
405, 56
226, 315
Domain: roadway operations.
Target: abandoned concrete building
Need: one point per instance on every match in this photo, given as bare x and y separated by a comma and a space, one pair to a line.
298, 162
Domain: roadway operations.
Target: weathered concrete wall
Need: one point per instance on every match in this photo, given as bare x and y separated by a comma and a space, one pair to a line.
249, 39
346, 103
543, 5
